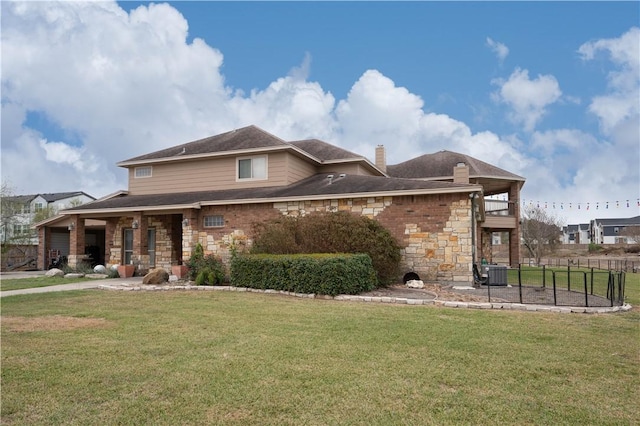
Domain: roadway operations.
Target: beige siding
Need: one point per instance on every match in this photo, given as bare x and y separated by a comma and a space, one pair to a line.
298, 169
206, 175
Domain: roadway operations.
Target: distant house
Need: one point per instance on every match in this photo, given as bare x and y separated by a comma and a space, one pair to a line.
25, 208
610, 231
211, 191
576, 234
18, 214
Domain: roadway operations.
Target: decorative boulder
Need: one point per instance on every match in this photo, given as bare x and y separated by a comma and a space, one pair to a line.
54, 272
100, 269
415, 284
156, 276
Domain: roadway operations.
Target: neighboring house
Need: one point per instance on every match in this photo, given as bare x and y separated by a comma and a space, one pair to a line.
211, 191
576, 234
25, 208
18, 216
610, 231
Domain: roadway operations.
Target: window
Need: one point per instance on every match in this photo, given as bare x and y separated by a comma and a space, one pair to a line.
252, 168
214, 221
151, 241
38, 207
142, 172
26, 208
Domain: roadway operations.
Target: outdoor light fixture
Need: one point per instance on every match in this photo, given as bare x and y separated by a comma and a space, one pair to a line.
135, 224
71, 226
185, 222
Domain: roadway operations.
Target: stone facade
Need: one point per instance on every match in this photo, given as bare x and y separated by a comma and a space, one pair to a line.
434, 231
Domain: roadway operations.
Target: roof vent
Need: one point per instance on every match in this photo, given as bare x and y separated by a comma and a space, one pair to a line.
330, 177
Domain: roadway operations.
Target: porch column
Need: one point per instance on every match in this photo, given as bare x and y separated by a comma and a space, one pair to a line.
190, 227
112, 254
140, 240
76, 241
514, 234
44, 238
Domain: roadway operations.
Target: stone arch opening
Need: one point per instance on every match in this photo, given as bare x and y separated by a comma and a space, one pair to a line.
409, 276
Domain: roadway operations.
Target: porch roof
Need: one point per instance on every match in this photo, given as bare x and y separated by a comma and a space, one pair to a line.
317, 187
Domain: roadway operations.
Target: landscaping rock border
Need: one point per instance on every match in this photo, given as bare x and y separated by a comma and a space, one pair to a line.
376, 299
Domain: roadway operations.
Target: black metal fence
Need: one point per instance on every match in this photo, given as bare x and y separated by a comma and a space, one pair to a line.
626, 265
561, 287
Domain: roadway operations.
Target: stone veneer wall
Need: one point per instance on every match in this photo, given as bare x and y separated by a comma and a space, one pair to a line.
434, 230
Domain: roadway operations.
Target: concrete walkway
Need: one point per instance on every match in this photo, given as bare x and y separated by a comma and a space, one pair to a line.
89, 284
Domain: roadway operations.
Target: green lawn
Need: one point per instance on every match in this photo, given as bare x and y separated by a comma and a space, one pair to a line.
99, 357
21, 283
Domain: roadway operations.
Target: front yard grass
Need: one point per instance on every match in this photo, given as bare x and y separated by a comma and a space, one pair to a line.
98, 357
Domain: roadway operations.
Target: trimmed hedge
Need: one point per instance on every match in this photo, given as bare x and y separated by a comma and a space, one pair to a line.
329, 274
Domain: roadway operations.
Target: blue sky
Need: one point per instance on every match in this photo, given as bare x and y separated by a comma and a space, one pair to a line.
547, 90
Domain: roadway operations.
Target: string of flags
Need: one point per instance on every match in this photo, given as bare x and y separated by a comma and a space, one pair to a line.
596, 205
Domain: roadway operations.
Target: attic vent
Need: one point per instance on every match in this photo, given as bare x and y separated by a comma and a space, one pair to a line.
330, 177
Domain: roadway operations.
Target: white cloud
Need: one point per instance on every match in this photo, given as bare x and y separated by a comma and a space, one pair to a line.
500, 49
527, 98
621, 102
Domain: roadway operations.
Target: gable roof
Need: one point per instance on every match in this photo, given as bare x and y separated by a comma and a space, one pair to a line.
440, 165
48, 197
316, 187
619, 221
246, 138
325, 151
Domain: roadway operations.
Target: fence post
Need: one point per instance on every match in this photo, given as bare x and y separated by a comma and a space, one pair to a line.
555, 300
610, 288
544, 276
520, 284
568, 278
592, 281
586, 294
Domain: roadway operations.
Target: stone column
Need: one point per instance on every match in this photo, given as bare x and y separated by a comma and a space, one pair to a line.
140, 241
76, 241
190, 228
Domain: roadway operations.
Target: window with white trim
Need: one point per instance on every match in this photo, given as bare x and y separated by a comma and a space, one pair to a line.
252, 168
214, 221
142, 172
38, 207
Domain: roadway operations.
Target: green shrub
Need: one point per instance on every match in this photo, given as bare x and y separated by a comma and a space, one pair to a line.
205, 269
594, 248
340, 232
329, 274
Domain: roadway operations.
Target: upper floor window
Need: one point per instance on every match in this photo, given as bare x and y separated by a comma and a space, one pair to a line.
38, 207
214, 221
252, 168
26, 208
142, 172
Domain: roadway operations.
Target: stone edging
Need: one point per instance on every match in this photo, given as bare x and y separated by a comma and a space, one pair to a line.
377, 299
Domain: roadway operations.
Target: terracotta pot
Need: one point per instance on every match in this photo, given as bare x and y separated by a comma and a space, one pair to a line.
179, 271
126, 271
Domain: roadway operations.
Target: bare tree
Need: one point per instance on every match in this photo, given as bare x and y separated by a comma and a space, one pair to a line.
632, 232
541, 232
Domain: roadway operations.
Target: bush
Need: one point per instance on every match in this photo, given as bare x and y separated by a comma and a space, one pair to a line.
594, 248
205, 269
319, 274
340, 232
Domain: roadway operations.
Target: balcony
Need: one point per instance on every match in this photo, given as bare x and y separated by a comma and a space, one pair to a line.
499, 214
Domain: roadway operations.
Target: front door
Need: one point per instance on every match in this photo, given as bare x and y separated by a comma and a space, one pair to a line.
127, 247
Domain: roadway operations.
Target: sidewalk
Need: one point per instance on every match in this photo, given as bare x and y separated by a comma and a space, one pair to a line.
89, 284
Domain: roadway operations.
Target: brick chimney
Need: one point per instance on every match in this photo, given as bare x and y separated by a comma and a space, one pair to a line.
381, 158
461, 173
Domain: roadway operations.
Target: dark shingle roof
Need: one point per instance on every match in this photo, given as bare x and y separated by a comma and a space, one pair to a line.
317, 185
619, 221
324, 151
249, 137
441, 164
48, 197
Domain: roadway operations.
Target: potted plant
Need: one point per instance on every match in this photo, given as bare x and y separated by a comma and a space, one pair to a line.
126, 271
179, 270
